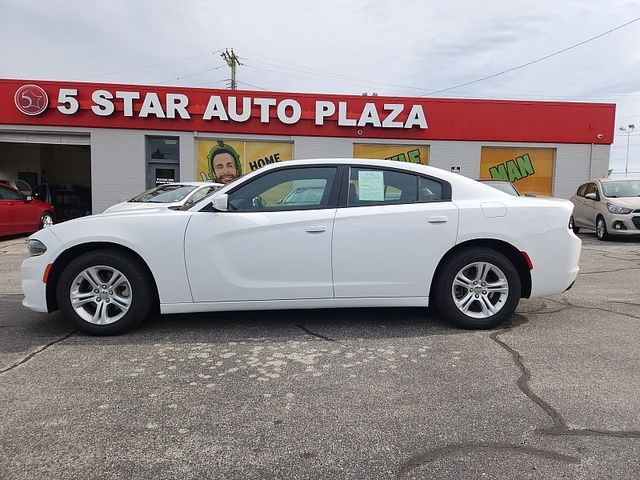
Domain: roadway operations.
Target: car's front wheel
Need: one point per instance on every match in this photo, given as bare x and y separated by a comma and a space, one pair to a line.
478, 288
601, 229
105, 292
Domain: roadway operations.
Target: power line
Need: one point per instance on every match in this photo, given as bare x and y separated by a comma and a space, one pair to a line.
193, 74
143, 68
305, 77
533, 61
250, 85
209, 82
318, 72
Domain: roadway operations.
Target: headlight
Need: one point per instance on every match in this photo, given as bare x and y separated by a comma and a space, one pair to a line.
36, 247
618, 210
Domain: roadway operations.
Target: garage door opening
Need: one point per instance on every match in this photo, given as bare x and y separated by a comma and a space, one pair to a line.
57, 173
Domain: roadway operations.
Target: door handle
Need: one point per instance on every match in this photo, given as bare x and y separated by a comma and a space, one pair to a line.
438, 219
316, 228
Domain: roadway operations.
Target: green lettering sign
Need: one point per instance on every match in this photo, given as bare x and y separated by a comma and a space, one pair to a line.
499, 172
525, 165
513, 172
414, 155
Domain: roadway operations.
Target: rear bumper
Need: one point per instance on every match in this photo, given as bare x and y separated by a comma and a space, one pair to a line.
555, 256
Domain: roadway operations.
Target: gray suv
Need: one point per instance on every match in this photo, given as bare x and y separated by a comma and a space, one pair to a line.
610, 205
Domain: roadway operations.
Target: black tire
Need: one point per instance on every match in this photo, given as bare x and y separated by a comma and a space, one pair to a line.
572, 223
142, 291
46, 220
601, 230
444, 289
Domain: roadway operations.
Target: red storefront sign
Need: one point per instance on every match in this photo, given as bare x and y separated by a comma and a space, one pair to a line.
84, 105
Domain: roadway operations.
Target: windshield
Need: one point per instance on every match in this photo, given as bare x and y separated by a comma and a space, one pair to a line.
621, 188
505, 187
165, 194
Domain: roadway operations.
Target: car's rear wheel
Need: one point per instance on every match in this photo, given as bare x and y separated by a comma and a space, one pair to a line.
601, 229
478, 288
46, 220
105, 292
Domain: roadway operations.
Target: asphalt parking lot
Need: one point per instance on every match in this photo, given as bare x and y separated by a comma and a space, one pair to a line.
370, 393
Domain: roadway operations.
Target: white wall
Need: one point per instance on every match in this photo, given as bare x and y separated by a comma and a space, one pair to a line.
118, 166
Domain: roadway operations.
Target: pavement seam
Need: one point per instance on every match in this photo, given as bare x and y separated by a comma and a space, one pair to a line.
36, 352
455, 448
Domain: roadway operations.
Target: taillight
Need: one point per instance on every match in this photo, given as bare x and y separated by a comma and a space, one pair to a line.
527, 260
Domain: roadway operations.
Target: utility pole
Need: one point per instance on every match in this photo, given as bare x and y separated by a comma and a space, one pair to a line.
232, 61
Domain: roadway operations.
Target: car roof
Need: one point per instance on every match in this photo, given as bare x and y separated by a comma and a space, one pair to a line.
370, 162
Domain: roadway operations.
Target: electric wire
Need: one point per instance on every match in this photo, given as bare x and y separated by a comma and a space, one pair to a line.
146, 67
517, 67
193, 74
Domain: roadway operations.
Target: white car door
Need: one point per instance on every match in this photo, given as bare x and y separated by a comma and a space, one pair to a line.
266, 247
394, 230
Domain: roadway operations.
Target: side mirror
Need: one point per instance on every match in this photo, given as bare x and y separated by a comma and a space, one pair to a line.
28, 198
220, 203
591, 196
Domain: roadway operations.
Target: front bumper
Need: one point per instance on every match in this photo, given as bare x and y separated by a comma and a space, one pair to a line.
623, 224
33, 269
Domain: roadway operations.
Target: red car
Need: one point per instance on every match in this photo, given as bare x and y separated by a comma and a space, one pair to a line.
21, 213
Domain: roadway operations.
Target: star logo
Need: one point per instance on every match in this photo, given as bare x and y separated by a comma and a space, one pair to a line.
31, 99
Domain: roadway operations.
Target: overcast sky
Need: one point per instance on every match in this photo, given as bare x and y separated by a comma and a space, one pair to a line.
401, 47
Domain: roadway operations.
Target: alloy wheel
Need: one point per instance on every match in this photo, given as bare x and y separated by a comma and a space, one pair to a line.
480, 290
101, 295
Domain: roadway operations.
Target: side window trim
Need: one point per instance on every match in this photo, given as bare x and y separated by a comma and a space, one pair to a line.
344, 186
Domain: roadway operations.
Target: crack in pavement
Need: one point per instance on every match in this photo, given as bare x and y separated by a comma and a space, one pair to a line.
606, 310
455, 448
546, 311
317, 335
625, 303
610, 271
525, 377
559, 425
36, 352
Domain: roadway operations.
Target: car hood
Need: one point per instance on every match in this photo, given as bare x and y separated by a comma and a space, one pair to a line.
129, 206
158, 208
629, 202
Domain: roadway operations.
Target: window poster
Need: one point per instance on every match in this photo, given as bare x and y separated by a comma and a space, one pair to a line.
225, 160
400, 153
529, 169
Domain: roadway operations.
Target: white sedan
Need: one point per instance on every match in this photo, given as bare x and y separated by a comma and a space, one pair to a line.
380, 234
172, 195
